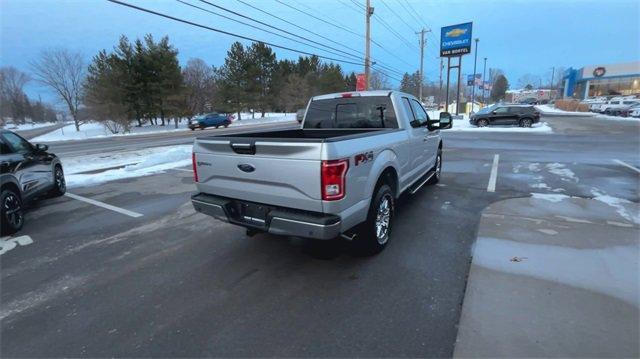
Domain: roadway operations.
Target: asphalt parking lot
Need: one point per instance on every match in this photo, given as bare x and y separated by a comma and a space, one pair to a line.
147, 276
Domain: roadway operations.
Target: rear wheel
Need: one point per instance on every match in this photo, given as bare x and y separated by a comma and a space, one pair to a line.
373, 235
526, 122
12, 216
59, 183
482, 123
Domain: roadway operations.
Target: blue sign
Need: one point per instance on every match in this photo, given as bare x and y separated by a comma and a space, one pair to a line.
455, 40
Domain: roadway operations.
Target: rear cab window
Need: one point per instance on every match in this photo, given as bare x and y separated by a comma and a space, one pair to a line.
351, 112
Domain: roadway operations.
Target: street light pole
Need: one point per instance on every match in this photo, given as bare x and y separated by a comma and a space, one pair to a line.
367, 46
484, 72
473, 88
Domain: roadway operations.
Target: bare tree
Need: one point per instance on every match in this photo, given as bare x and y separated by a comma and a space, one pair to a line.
379, 81
12, 82
63, 71
199, 80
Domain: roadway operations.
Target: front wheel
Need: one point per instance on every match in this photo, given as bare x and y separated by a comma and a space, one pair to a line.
59, 183
12, 217
526, 122
437, 168
374, 233
482, 123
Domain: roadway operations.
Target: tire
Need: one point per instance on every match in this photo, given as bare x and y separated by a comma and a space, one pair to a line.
59, 183
217, 127
438, 168
226, 124
482, 123
373, 234
12, 217
607, 112
192, 128
526, 122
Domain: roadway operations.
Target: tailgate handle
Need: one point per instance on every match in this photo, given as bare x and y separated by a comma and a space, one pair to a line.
244, 148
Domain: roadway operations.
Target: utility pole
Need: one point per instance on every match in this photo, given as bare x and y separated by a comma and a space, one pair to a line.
422, 45
484, 72
473, 89
441, 68
367, 55
553, 72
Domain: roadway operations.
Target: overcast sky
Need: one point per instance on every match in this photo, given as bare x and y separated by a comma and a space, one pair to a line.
518, 37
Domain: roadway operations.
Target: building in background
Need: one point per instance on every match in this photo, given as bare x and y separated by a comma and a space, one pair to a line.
602, 80
541, 95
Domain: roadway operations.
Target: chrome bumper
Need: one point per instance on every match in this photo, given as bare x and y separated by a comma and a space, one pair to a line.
280, 221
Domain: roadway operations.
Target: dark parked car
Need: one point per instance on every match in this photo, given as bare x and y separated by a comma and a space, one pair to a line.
529, 101
27, 172
212, 119
521, 115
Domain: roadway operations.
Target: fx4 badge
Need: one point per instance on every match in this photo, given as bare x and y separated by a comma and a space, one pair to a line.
362, 158
200, 163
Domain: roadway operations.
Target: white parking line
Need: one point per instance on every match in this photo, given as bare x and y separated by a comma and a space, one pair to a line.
9, 243
491, 187
626, 165
104, 205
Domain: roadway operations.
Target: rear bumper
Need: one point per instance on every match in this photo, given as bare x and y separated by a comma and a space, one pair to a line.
278, 220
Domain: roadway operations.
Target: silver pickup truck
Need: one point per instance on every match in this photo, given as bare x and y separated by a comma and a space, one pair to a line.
337, 176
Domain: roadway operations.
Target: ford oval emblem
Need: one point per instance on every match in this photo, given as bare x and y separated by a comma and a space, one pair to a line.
245, 167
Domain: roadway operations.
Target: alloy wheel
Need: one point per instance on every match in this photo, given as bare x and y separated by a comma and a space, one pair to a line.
383, 219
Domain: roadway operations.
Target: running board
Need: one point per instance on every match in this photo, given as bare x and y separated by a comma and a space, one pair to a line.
427, 177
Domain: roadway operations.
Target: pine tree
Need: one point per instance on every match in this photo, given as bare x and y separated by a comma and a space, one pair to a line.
234, 78
500, 87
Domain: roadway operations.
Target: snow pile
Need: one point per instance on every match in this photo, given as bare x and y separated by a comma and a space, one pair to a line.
87, 170
550, 110
464, 125
269, 118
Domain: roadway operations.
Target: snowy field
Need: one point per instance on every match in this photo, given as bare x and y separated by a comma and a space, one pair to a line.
27, 126
97, 130
550, 110
95, 169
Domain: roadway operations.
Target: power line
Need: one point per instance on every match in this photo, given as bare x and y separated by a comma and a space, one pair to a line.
275, 27
413, 11
396, 14
389, 68
228, 33
343, 28
395, 33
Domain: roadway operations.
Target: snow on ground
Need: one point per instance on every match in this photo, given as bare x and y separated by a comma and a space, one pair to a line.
97, 130
127, 164
560, 170
27, 126
618, 204
551, 197
464, 125
550, 110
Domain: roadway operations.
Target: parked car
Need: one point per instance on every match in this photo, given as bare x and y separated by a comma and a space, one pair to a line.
339, 175
27, 172
529, 101
632, 111
616, 106
300, 115
504, 114
212, 119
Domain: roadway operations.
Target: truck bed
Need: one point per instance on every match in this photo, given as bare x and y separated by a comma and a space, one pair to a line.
303, 135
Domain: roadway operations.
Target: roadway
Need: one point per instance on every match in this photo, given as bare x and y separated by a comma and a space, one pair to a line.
99, 282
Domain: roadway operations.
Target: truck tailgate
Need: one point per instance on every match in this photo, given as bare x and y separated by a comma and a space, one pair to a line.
278, 173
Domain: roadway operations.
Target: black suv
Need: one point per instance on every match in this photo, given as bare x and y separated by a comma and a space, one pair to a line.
27, 172
521, 115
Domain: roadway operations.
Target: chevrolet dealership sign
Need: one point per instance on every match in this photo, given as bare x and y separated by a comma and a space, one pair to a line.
455, 40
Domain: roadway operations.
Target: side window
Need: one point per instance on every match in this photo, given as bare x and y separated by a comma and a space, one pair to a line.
419, 112
516, 109
17, 143
500, 110
407, 108
4, 148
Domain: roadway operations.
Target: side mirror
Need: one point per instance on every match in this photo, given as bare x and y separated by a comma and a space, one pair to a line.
493, 112
415, 123
446, 121
41, 148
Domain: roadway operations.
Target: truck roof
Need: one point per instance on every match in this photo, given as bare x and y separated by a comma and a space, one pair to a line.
359, 93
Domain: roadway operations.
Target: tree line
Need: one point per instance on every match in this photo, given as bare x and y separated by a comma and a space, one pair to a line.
14, 102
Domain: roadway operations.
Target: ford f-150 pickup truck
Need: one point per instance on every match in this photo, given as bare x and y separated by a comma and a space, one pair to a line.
339, 175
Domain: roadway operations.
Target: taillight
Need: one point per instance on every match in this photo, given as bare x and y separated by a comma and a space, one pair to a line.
333, 175
195, 168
